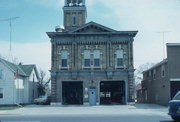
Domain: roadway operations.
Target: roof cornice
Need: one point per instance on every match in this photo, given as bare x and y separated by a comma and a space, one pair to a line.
129, 33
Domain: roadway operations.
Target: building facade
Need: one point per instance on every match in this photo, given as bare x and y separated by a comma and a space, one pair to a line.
162, 81
90, 62
18, 83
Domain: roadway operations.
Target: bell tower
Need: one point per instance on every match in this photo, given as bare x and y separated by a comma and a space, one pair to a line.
74, 13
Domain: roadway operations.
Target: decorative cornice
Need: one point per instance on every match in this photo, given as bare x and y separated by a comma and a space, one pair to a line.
127, 33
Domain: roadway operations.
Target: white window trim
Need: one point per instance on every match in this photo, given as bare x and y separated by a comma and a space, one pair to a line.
60, 65
83, 59
163, 69
116, 66
91, 60
64, 67
100, 66
119, 67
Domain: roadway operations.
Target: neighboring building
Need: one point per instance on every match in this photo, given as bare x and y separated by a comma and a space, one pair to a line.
138, 93
90, 62
162, 81
18, 83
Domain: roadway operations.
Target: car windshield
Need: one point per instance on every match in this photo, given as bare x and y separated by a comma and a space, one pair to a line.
177, 96
42, 96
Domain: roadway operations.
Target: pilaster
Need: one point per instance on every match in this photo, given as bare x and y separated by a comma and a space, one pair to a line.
53, 86
131, 89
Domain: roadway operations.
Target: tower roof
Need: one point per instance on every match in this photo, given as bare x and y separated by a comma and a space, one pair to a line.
74, 2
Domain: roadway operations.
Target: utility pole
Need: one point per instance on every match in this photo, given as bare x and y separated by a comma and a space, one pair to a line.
163, 41
10, 34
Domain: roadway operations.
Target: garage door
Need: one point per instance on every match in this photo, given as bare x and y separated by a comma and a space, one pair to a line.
112, 92
175, 87
72, 92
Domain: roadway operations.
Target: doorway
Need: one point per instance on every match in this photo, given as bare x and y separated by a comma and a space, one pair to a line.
72, 93
112, 92
92, 95
175, 87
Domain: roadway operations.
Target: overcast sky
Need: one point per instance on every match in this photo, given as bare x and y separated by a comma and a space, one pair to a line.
31, 45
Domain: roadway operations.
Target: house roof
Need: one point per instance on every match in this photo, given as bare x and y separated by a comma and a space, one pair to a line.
13, 67
27, 68
23, 70
97, 29
156, 65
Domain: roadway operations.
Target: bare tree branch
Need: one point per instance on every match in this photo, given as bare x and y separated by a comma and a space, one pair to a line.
138, 73
43, 82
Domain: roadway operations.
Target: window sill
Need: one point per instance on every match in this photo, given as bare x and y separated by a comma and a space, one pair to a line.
64, 68
86, 67
97, 67
120, 67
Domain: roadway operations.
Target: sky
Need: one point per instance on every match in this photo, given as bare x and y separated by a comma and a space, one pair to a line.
31, 45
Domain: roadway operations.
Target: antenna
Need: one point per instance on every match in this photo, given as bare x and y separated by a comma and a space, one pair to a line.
163, 33
10, 33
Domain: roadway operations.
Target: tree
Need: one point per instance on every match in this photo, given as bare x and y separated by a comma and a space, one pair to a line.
43, 82
138, 73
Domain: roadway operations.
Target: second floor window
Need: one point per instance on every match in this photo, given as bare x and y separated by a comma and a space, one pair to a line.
87, 57
119, 58
163, 71
1, 74
64, 58
1, 93
96, 58
154, 74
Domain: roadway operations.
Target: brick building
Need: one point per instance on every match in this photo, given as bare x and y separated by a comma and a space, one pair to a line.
90, 62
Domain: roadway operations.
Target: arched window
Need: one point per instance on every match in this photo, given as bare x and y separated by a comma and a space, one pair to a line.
97, 58
87, 56
119, 58
64, 58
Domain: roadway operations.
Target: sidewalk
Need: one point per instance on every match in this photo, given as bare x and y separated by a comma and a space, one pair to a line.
2, 112
61, 110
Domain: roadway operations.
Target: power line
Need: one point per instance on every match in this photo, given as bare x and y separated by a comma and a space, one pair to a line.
10, 33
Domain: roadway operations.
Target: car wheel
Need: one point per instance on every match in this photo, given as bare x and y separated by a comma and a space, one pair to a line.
176, 119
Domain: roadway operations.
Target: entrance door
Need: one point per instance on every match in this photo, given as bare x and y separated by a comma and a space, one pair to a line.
92, 95
112, 92
72, 92
175, 87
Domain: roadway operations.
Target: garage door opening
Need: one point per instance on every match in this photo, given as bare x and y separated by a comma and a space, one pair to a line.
112, 92
175, 87
72, 93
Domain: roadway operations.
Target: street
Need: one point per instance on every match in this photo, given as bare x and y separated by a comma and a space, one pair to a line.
124, 113
86, 118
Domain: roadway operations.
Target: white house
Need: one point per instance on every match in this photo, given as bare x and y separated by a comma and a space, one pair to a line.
18, 83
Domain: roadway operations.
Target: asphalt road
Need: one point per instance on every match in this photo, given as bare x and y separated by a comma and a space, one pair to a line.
121, 113
84, 118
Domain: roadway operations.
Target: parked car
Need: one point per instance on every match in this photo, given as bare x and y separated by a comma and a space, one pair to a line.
45, 100
174, 107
